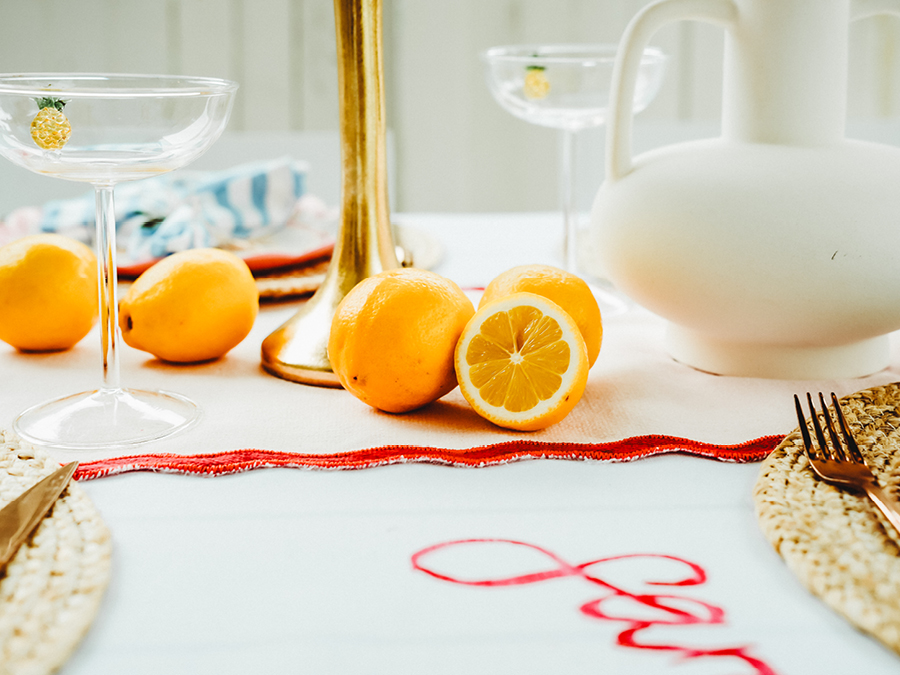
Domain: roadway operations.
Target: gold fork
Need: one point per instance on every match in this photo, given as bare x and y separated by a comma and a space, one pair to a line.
841, 462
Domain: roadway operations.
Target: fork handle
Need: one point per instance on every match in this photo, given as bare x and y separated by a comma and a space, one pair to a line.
886, 504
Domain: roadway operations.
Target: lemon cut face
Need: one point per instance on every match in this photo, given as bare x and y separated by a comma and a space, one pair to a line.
522, 362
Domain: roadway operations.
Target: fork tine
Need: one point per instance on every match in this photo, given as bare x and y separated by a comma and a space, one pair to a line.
820, 435
807, 441
837, 447
850, 442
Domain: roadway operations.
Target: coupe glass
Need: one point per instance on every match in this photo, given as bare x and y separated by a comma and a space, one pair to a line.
567, 87
123, 127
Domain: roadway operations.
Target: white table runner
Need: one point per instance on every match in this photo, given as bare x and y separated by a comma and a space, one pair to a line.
282, 571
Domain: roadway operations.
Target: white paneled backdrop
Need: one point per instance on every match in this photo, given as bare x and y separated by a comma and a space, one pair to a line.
454, 149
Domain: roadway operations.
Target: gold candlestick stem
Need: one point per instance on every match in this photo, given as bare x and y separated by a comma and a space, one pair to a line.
298, 349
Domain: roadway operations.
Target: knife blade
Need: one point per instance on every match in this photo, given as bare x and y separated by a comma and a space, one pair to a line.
21, 516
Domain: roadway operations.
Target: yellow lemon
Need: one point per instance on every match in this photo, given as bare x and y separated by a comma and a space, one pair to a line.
564, 288
393, 335
521, 362
192, 306
48, 292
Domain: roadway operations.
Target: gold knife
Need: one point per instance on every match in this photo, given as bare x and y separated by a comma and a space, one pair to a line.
21, 516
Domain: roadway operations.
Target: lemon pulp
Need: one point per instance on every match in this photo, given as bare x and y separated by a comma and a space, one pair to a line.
518, 358
521, 362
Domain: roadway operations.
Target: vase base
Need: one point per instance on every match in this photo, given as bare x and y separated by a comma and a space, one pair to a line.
783, 362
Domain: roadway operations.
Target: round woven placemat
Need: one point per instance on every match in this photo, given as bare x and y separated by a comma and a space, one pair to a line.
415, 247
51, 590
835, 541
291, 282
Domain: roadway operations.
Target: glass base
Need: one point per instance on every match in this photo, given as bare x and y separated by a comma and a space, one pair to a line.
106, 418
610, 301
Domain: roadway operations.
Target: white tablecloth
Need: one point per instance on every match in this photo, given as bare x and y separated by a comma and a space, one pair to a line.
285, 571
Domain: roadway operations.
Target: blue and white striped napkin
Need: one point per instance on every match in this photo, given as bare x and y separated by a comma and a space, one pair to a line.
174, 212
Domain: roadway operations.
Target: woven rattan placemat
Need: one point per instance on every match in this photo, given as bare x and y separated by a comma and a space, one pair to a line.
51, 590
416, 247
835, 541
291, 282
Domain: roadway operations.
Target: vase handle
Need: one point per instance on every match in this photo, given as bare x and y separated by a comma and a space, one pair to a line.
628, 60
861, 9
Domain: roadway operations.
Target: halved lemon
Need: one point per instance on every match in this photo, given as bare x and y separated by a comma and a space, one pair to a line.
522, 362
564, 288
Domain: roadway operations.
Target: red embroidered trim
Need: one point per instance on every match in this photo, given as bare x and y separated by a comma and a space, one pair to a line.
222, 463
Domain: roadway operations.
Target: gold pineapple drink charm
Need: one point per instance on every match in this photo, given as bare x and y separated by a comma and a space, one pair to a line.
536, 83
50, 128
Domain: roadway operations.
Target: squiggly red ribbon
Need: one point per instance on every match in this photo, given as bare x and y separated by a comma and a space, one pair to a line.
687, 611
637, 447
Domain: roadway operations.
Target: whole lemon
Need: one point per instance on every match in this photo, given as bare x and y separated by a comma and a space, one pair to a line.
48, 292
393, 337
564, 288
194, 305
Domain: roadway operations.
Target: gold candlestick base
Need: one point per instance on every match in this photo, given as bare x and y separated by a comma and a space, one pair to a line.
298, 350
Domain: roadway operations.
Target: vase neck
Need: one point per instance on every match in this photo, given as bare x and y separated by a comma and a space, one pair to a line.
785, 72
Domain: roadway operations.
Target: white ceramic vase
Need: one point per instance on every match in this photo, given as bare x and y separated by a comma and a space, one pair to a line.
774, 250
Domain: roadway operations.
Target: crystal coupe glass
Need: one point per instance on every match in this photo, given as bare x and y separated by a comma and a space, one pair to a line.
566, 87
109, 128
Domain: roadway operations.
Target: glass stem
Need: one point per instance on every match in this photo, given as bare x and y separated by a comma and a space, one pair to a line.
106, 282
566, 191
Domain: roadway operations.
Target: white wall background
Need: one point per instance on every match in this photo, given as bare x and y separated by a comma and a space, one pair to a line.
454, 148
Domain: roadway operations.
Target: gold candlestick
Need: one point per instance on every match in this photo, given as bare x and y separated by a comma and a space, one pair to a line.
298, 349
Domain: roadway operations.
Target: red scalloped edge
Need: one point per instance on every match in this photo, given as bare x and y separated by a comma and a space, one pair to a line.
629, 449
259, 261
